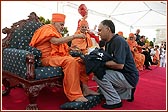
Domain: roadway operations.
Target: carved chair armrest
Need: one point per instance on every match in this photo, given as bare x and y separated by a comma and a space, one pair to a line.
19, 62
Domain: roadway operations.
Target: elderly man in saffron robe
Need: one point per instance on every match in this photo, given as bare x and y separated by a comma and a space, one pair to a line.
82, 44
55, 52
138, 57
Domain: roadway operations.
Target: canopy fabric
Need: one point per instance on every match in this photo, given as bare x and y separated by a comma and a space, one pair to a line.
127, 15
133, 14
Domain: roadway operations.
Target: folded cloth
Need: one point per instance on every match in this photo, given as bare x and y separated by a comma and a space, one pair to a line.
95, 62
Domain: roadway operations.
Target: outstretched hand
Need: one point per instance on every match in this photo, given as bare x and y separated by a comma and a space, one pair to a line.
83, 36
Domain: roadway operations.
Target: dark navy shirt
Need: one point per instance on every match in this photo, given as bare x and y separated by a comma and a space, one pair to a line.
119, 49
141, 43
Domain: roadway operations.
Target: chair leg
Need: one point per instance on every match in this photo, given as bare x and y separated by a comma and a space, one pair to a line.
33, 92
32, 107
7, 88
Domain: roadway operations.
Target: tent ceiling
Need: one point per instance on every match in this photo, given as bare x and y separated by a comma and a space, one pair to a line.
148, 14
127, 15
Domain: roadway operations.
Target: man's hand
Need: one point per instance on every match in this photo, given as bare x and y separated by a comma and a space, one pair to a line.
83, 36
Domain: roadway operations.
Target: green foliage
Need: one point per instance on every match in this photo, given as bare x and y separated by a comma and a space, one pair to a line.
151, 43
44, 21
47, 21
65, 31
146, 40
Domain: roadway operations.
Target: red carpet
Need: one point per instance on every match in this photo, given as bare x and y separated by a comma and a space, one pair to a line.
150, 95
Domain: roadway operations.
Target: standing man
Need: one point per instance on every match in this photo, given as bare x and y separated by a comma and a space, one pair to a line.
121, 76
137, 35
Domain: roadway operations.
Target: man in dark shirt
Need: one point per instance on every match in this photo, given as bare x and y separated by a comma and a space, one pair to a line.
146, 51
121, 76
137, 35
141, 42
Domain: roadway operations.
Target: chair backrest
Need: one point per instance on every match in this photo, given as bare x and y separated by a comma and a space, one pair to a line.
20, 29
20, 35
23, 35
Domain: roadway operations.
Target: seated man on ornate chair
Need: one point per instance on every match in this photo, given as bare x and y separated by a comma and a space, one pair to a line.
55, 52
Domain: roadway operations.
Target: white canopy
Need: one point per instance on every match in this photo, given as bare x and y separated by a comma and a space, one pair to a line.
148, 14
126, 15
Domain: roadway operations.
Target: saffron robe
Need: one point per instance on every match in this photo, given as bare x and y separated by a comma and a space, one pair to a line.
156, 58
58, 55
82, 44
138, 57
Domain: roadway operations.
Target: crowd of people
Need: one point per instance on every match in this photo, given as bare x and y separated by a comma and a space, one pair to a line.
145, 54
121, 73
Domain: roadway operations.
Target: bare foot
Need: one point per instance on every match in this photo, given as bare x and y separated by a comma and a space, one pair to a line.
89, 92
82, 99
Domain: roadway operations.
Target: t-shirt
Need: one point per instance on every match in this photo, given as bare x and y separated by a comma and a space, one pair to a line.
141, 43
137, 37
119, 49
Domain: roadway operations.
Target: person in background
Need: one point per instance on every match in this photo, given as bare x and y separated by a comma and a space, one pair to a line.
138, 57
131, 41
163, 54
55, 52
137, 35
164, 45
152, 52
146, 52
163, 58
156, 56
82, 44
83, 18
94, 37
141, 41
94, 30
121, 34
121, 77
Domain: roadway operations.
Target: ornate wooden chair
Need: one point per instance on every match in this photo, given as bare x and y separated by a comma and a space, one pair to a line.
21, 64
